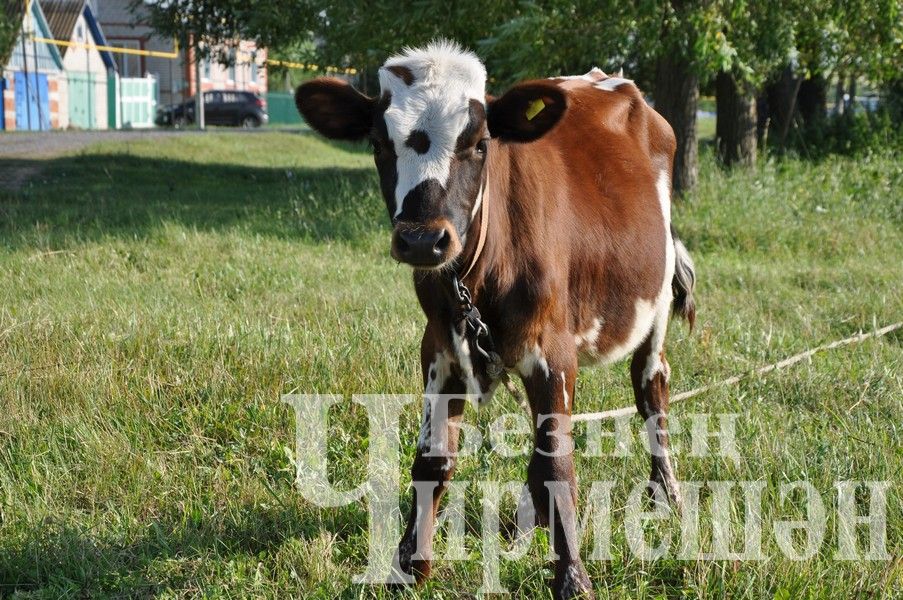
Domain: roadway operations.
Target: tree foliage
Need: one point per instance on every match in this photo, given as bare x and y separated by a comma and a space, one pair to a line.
538, 38
11, 14
864, 37
218, 24
670, 47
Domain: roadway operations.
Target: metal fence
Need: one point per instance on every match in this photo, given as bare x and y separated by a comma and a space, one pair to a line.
281, 108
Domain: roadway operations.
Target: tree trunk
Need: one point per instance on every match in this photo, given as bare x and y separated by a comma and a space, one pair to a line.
676, 99
852, 90
735, 127
782, 102
813, 99
838, 96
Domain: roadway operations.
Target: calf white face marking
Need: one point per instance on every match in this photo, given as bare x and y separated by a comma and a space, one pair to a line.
431, 91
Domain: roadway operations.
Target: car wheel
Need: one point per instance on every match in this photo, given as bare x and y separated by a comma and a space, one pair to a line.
179, 122
250, 122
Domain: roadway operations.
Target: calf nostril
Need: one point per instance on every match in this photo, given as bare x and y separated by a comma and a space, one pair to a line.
443, 242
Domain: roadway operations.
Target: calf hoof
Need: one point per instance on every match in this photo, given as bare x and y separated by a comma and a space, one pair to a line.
572, 583
409, 568
665, 492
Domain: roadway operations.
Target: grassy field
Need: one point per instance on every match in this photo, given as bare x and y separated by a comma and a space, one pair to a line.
159, 297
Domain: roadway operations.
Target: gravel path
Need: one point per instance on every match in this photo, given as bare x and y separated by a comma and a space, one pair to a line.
23, 154
47, 144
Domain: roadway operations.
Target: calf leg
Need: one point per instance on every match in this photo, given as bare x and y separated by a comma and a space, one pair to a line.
649, 374
550, 477
434, 465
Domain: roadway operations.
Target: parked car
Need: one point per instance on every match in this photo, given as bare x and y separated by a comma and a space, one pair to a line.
221, 107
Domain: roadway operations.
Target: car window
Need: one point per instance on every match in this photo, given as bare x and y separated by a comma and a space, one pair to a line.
230, 97
213, 98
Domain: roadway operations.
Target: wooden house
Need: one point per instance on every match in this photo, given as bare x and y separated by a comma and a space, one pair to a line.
31, 77
90, 73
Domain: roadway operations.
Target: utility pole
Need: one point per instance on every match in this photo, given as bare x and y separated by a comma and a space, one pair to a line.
199, 93
25, 66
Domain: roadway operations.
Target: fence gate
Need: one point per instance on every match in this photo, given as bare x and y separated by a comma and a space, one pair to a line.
32, 102
82, 100
137, 101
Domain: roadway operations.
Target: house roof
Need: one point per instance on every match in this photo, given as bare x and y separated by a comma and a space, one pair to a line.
62, 16
98, 36
45, 55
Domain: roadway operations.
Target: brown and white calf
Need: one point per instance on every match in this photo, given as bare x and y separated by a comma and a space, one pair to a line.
552, 204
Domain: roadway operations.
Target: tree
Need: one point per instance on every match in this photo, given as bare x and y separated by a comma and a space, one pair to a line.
759, 38
689, 46
843, 40
11, 14
213, 28
363, 33
563, 37
666, 43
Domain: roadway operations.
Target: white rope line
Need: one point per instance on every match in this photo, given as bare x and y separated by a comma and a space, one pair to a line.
787, 362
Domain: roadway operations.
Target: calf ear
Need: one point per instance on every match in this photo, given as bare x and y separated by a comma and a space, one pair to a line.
335, 109
526, 112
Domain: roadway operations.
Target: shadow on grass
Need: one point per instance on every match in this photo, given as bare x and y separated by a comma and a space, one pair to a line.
90, 197
61, 560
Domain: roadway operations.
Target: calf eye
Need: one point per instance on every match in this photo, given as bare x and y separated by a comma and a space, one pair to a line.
482, 145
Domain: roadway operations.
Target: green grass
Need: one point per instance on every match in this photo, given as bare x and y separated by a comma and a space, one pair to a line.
705, 129
159, 297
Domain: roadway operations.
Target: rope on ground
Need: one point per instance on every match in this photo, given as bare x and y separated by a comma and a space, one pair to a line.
787, 362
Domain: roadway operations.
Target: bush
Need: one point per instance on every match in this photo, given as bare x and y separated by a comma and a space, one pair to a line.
849, 134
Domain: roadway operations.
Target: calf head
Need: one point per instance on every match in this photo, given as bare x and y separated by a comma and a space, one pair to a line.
430, 129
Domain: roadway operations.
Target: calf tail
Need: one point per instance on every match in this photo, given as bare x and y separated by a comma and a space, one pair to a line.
683, 282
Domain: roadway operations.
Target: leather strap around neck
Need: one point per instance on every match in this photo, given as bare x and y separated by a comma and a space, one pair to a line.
481, 240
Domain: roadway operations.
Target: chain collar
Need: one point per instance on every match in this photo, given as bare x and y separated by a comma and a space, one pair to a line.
469, 321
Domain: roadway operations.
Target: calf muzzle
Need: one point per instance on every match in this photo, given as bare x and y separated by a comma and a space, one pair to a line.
425, 246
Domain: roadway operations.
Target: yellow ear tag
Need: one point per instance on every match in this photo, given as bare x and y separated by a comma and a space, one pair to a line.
535, 108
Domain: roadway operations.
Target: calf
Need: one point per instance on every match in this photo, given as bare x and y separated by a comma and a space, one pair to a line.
539, 228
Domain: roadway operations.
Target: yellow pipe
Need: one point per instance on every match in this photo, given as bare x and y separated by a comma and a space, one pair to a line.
154, 53
175, 54
311, 67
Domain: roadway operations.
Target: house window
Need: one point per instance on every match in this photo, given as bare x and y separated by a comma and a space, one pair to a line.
128, 65
254, 70
207, 68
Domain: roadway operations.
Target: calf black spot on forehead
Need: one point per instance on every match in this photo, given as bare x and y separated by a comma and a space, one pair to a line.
402, 73
419, 140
